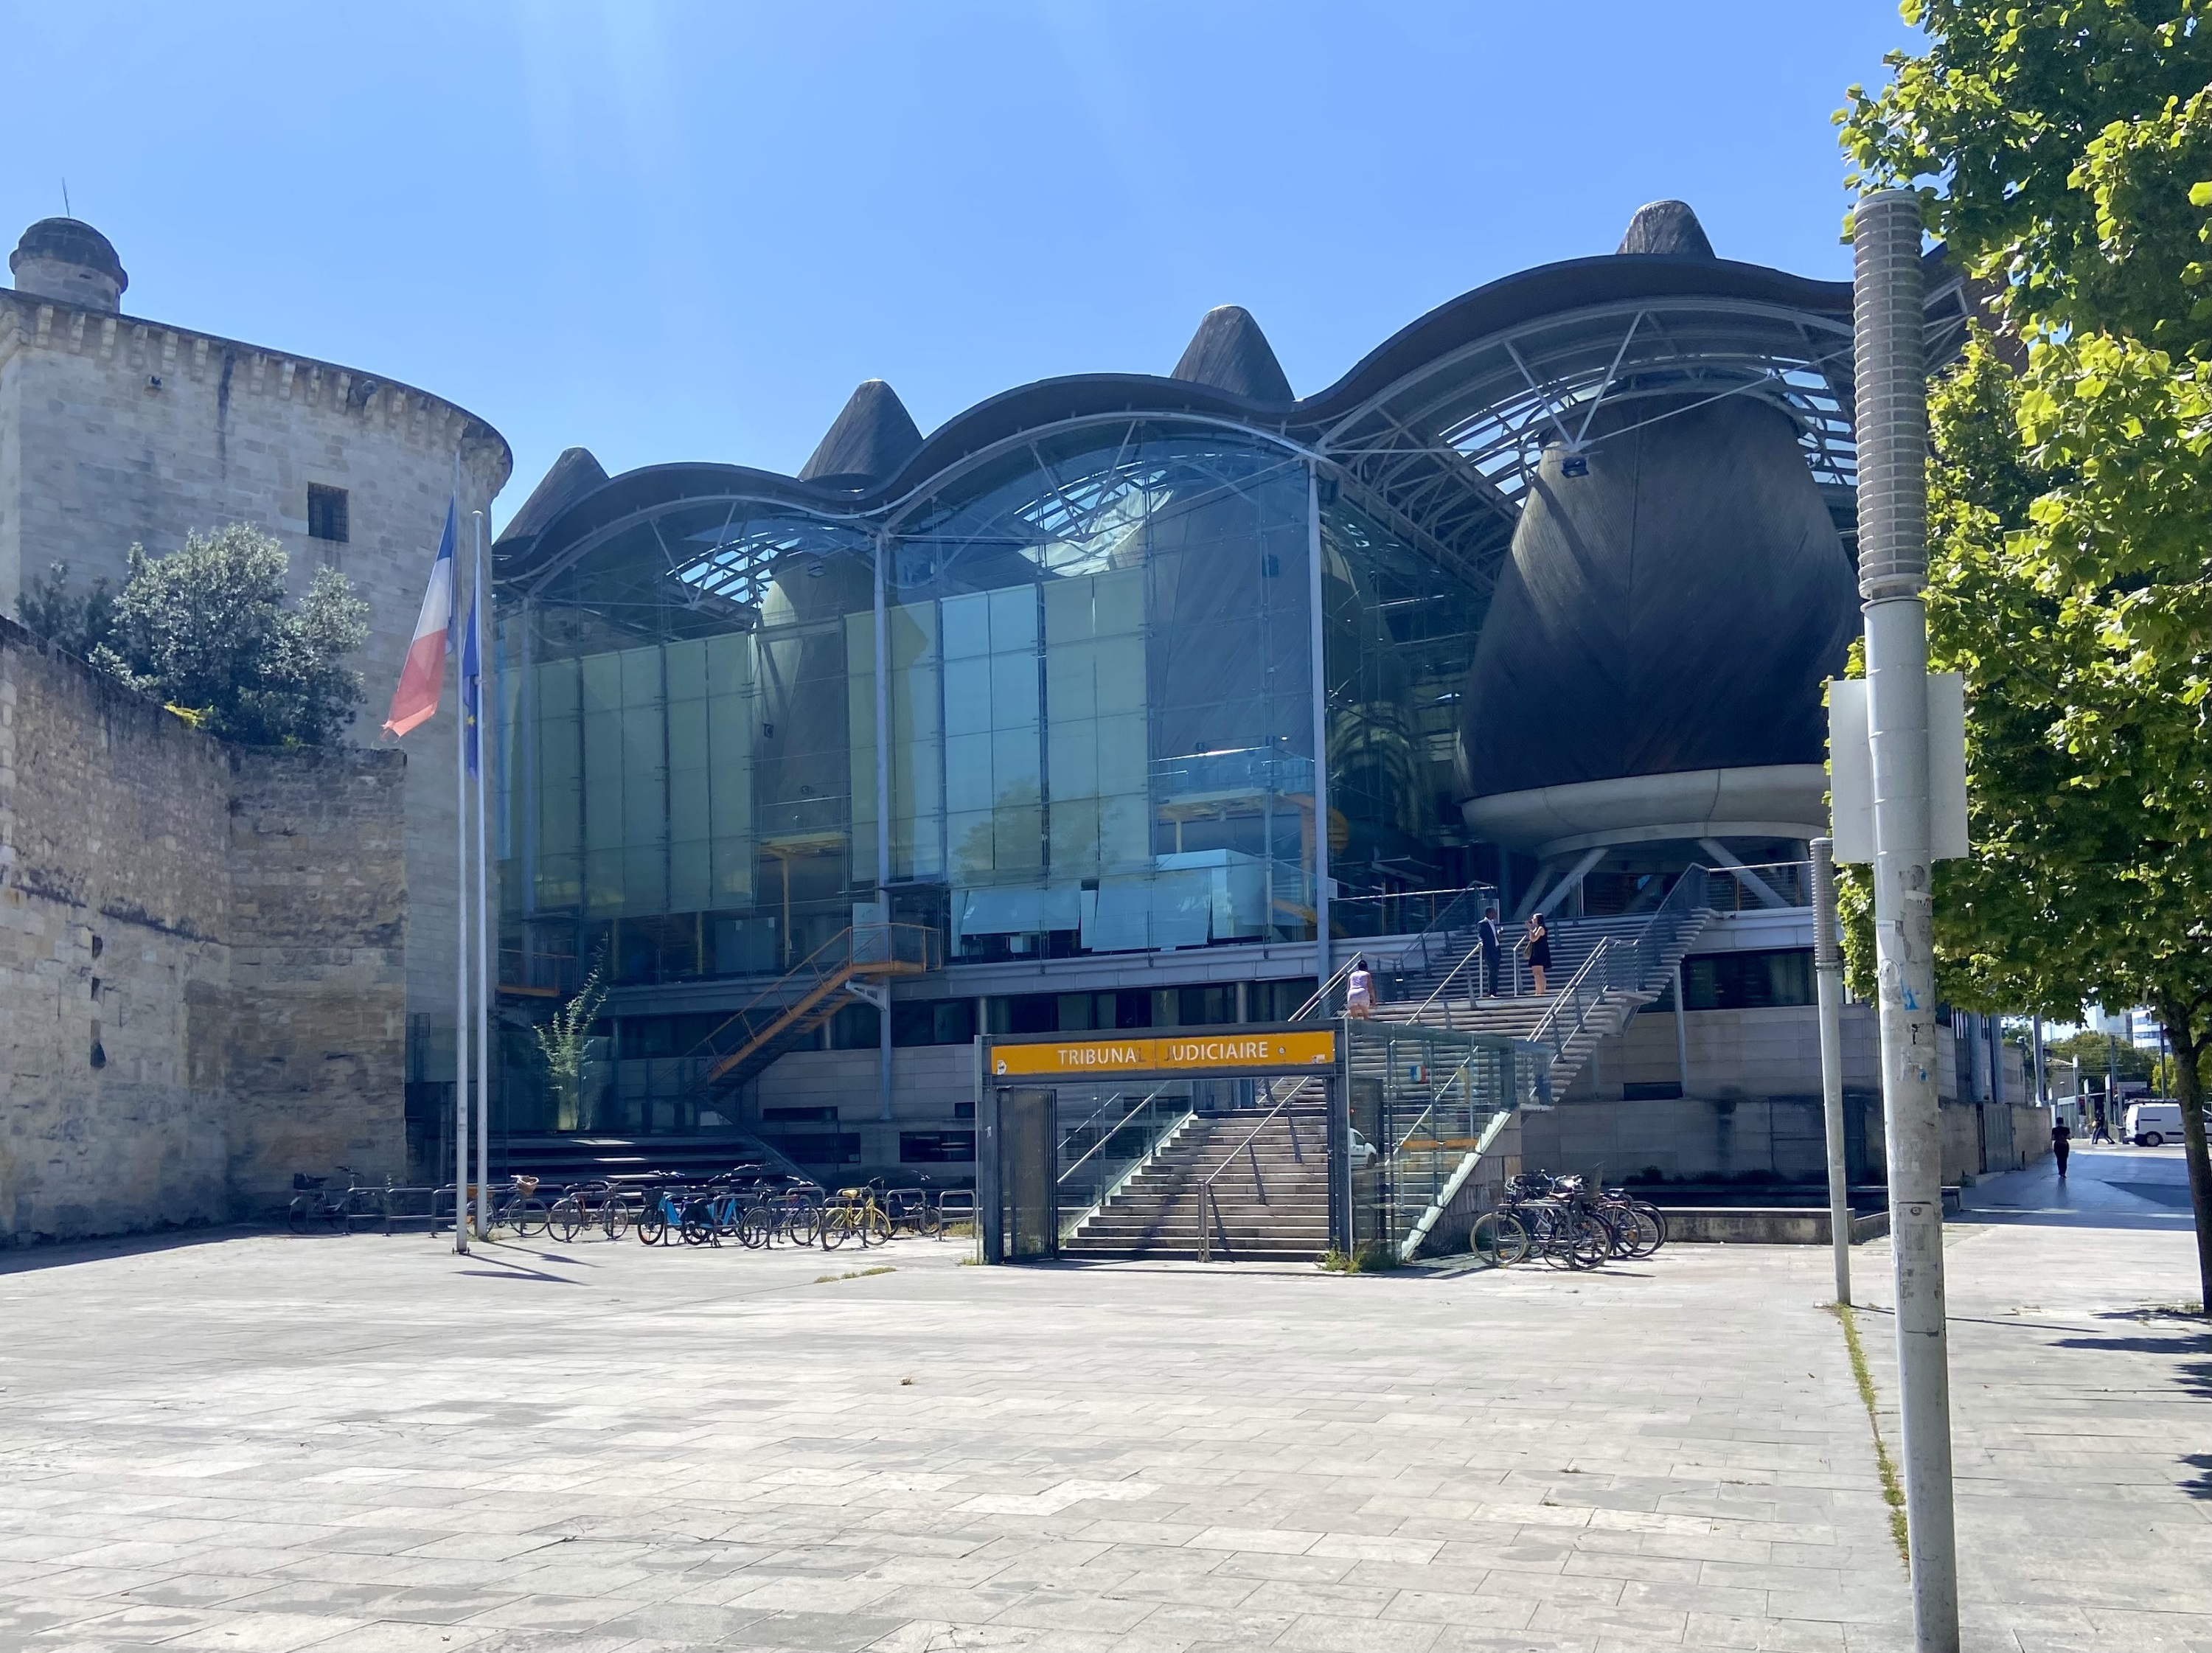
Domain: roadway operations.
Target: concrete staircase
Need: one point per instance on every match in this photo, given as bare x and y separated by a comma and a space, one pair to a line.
1271, 1200
557, 1161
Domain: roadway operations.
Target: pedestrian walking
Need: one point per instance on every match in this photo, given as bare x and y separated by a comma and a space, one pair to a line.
2099, 1131
1538, 944
1359, 991
1486, 938
2062, 1144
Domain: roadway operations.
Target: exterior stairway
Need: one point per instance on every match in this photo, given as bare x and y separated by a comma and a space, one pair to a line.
854, 966
1269, 1199
1606, 971
1603, 971
558, 1161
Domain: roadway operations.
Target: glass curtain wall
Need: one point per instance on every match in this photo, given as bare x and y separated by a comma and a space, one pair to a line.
1101, 697
1100, 735
679, 762
1399, 637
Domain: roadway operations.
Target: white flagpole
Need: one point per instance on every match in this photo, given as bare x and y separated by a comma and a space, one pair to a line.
460, 960
481, 606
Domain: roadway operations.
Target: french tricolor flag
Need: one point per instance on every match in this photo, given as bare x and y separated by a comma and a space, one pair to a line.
415, 700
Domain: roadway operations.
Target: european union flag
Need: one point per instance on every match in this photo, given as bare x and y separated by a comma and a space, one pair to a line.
472, 689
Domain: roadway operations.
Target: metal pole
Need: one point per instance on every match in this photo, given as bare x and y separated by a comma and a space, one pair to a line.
1828, 963
1681, 1034
460, 964
1893, 503
482, 608
884, 815
1323, 967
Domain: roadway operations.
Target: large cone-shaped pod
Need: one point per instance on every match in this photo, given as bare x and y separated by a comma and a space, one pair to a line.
572, 476
1231, 353
1669, 229
1674, 608
870, 440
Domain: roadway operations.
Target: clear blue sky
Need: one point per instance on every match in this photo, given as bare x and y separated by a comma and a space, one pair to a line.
687, 230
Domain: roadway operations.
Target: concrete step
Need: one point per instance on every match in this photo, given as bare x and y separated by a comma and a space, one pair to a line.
1188, 1222
1188, 1211
1247, 1251
1270, 1198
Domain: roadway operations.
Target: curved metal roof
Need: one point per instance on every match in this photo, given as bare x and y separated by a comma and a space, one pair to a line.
1438, 428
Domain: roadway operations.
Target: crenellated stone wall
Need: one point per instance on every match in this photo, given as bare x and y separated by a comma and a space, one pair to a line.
116, 431
202, 960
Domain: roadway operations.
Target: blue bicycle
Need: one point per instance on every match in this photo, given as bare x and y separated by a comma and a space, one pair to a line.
671, 1211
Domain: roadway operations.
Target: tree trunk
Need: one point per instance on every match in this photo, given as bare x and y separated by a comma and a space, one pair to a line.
2189, 1040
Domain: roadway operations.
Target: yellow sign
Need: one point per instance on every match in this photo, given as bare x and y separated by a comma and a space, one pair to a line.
1193, 1051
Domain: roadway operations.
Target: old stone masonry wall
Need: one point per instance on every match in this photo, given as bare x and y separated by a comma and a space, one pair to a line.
202, 960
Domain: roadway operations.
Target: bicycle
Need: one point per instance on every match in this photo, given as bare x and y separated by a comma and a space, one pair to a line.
311, 1203
1544, 1217
915, 1210
1651, 1222
574, 1211
790, 1209
855, 1214
663, 1215
518, 1206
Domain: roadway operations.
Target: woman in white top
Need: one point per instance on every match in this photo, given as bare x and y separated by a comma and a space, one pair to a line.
1359, 992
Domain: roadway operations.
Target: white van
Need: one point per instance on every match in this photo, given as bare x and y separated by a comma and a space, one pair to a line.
2154, 1124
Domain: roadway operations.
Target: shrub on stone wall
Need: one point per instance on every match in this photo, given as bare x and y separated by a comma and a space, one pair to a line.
76, 621
209, 631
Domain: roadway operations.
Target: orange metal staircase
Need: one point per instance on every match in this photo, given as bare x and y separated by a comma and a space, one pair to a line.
852, 965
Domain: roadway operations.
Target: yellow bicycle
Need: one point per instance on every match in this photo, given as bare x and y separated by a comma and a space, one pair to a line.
855, 1214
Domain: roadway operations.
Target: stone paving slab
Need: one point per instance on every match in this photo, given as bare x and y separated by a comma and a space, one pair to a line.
271, 1443
2081, 1407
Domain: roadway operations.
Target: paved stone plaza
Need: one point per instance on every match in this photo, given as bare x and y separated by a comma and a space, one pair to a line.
259, 1443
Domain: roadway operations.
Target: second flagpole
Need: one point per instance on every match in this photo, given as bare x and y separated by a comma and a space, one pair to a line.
461, 957
479, 612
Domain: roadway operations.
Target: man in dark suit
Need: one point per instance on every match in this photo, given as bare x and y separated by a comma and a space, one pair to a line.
1486, 938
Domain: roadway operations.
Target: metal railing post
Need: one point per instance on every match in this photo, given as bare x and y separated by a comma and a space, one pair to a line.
1828, 964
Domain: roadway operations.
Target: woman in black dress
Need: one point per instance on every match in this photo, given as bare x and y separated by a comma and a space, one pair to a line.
1540, 951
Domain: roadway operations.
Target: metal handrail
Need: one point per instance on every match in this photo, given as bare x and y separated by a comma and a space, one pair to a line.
1299, 1082
1099, 1109
1319, 999
1452, 913
799, 989
1450, 976
1466, 1061
1107, 1190
1109, 1136
1570, 992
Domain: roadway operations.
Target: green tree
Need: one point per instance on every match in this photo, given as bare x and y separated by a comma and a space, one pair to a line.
2064, 152
2095, 1051
76, 621
564, 1041
209, 631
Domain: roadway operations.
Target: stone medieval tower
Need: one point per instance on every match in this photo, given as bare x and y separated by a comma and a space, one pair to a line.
115, 430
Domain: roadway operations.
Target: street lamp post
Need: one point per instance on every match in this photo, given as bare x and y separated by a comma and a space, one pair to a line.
1892, 398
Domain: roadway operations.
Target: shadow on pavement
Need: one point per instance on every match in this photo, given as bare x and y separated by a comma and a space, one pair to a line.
2123, 1187
30, 1257
2202, 1486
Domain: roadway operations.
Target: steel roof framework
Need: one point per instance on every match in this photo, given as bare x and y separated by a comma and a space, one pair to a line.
1441, 454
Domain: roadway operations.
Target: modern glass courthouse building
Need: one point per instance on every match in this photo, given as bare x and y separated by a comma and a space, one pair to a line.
1137, 696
